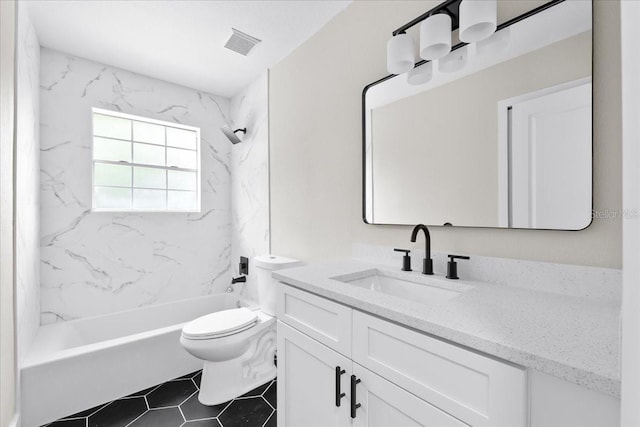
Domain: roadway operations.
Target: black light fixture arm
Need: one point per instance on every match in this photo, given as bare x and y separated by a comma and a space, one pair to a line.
452, 8
243, 130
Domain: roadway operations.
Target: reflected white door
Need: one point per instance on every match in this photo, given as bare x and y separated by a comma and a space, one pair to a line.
550, 146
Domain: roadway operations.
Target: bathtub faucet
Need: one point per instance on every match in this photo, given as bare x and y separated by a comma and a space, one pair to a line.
241, 279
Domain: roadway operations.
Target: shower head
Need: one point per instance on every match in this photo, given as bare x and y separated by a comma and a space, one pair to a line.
231, 134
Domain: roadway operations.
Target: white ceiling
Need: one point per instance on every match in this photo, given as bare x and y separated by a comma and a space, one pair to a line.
181, 41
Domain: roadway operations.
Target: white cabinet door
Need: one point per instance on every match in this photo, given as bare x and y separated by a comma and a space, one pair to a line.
384, 404
307, 383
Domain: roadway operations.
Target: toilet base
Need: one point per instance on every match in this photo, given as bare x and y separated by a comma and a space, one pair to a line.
223, 381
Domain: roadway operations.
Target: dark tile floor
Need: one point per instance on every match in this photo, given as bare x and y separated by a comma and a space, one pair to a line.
175, 404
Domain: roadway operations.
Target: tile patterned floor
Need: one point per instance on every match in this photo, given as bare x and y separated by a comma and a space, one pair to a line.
175, 404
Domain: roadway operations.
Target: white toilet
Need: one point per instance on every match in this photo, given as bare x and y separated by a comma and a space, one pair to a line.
238, 345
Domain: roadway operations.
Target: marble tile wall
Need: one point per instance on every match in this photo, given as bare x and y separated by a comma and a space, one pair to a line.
27, 183
250, 180
97, 263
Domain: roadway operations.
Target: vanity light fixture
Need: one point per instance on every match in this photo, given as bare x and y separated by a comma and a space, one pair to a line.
478, 19
400, 53
435, 36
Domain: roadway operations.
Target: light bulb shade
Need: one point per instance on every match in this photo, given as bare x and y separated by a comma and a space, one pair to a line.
454, 61
478, 19
496, 43
420, 75
400, 54
435, 36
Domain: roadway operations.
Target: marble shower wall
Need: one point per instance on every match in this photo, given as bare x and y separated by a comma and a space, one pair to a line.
27, 182
250, 179
97, 263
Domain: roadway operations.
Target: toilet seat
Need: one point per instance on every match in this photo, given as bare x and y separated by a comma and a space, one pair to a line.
220, 324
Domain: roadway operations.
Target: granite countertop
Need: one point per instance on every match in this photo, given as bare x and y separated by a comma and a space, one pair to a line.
573, 338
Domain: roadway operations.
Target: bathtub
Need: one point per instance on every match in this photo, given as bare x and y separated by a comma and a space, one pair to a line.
76, 365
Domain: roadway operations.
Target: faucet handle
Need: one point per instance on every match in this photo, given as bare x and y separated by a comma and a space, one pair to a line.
406, 259
452, 266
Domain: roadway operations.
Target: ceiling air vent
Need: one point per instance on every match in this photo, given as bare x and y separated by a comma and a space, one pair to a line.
241, 43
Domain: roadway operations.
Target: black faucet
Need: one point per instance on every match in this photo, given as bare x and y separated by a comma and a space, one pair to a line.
427, 262
240, 279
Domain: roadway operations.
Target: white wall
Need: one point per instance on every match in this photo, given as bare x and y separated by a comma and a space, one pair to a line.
7, 314
316, 142
250, 179
96, 263
630, 38
28, 183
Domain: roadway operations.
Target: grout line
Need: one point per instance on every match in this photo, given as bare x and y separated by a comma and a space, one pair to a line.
225, 408
154, 388
248, 397
187, 398
182, 414
267, 389
203, 419
136, 419
267, 420
263, 398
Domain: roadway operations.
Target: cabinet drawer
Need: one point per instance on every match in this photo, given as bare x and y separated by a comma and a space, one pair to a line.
319, 318
384, 404
476, 389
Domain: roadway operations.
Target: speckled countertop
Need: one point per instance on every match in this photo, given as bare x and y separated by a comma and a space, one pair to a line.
573, 338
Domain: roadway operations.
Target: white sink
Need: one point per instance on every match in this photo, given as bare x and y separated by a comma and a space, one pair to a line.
410, 286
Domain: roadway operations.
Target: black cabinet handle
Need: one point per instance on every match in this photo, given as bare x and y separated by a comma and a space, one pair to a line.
354, 405
339, 394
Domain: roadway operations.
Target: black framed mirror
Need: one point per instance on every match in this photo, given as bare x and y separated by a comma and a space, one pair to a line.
501, 139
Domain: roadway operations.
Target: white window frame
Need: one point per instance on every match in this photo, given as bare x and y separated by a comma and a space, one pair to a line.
165, 124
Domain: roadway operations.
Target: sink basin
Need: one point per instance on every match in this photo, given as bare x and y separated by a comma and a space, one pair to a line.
410, 286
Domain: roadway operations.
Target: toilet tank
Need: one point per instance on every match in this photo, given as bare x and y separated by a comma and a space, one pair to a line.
265, 265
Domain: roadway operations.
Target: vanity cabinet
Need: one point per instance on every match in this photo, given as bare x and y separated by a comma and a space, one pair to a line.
313, 380
393, 376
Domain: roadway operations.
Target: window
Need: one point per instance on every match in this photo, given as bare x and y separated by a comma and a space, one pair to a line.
141, 164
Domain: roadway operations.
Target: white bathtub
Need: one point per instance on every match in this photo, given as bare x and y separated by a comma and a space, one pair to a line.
76, 365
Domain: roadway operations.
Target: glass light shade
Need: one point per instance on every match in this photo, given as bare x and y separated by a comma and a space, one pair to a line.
478, 19
454, 61
400, 56
496, 43
435, 36
420, 75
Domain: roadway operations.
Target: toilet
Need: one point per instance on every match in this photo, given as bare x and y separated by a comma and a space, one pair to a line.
238, 345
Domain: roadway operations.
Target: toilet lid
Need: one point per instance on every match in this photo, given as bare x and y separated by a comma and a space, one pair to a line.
220, 323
